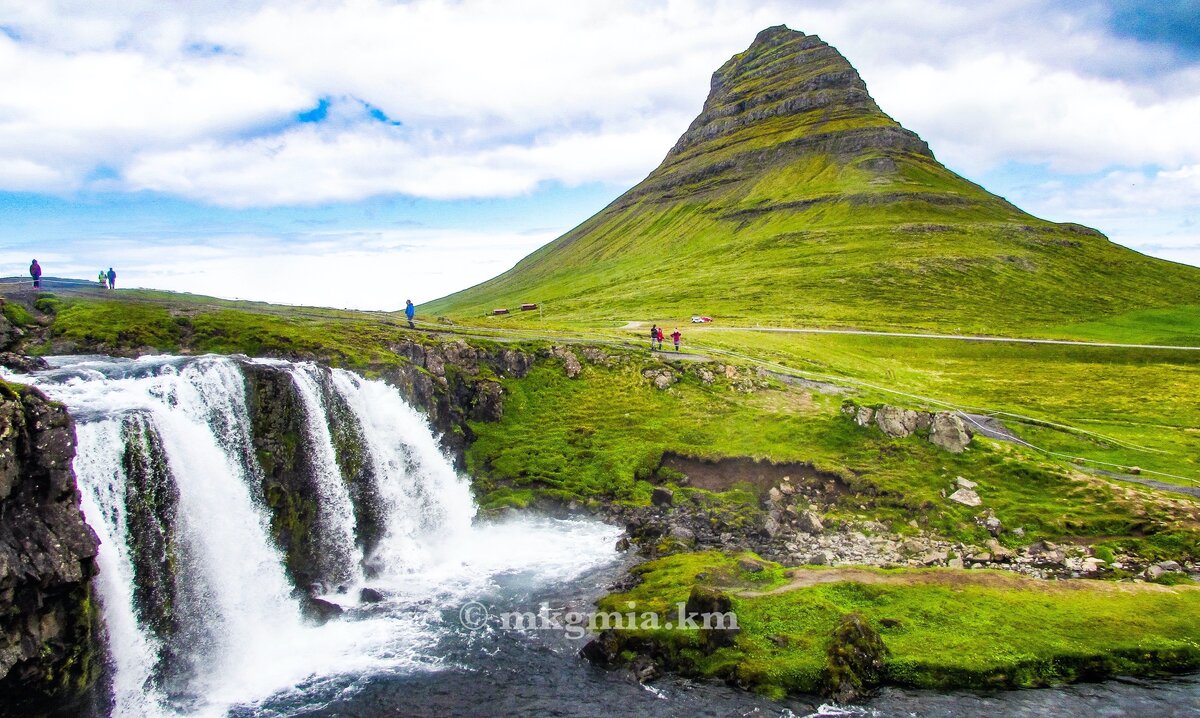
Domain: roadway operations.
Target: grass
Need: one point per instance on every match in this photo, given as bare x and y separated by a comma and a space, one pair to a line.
602, 436
763, 216
943, 628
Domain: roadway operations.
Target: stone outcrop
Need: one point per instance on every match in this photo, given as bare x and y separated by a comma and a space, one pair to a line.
944, 429
48, 617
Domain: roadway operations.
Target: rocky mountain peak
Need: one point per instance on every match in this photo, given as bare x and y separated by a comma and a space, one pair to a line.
786, 82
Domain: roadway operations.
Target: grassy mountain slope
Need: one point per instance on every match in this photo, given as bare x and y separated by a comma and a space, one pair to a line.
793, 199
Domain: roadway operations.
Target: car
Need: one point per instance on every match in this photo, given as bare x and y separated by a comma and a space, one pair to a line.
701, 320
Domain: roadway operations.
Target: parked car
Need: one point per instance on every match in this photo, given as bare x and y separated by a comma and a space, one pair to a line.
701, 320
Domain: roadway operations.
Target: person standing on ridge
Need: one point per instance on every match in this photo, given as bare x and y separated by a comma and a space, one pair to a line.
675, 336
112, 278
653, 336
35, 271
103, 279
410, 311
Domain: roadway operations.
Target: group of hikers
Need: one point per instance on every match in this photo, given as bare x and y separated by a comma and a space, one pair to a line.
107, 279
656, 338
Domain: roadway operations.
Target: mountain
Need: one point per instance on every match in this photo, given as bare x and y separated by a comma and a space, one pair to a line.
793, 199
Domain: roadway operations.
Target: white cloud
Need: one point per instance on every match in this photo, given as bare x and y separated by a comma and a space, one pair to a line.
365, 269
497, 97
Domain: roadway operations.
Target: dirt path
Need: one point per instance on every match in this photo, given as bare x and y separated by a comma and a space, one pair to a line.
806, 578
954, 337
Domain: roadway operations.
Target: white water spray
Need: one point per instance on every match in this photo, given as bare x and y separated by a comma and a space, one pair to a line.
246, 638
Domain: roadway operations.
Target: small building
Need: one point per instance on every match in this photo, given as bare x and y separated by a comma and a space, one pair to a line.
528, 307
498, 312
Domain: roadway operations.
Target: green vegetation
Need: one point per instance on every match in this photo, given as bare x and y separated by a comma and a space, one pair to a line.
942, 628
603, 435
825, 212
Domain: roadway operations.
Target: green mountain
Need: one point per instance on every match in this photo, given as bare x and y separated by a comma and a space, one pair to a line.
793, 199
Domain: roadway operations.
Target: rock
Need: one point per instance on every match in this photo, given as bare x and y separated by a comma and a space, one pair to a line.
949, 432
896, 422
864, 416
660, 378
786, 487
713, 609
993, 525
1153, 572
1019, 532
488, 402
1093, 565
1169, 566
22, 364
706, 376
775, 496
966, 497
855, 660
570, 362
49, 626
955, 562
810, 523
681, 533
603, 649
662, 496
1000, 553
770, 527
924, 420
820, 558
623, 543
370, 595
962, 483
644, 669
320, 611
596, 355
514, 363
934, 557
751, 566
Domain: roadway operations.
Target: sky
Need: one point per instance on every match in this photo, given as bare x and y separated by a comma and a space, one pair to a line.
356, 154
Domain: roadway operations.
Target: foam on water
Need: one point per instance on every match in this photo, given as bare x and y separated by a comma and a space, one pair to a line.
250, 641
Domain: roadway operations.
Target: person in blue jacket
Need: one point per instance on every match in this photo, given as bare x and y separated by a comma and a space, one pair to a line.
112, 278
410, 311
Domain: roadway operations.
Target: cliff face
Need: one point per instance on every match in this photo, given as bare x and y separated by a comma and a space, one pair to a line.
48, 617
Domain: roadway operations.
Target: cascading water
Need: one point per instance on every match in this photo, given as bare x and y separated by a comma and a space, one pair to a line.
195, 583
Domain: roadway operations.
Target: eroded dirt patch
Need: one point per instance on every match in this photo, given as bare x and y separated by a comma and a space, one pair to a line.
729, 473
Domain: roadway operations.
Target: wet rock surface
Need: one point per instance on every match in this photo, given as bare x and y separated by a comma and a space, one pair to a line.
48, 622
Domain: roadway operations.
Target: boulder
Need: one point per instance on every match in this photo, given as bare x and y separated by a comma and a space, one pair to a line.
370, 595
810, 523
962, 483
949, 432
855, 660
864, 416
896, 422
320, 611
571, 364
966, 497
662, 496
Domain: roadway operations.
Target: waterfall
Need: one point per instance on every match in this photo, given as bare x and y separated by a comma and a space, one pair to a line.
335, 510
212, 503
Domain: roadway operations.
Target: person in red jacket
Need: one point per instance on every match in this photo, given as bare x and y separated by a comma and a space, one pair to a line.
35, 271
675, 336
660, 338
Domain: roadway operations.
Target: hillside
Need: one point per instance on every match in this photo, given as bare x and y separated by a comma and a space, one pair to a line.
793, 199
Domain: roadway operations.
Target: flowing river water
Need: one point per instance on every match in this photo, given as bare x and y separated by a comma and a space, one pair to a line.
202, 619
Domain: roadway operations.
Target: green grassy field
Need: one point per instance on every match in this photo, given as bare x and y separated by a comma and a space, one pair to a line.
943, 628
793, 200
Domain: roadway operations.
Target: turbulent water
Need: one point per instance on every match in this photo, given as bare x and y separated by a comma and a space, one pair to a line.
203, 618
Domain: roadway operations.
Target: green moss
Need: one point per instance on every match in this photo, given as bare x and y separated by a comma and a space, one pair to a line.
942, 629
17, 314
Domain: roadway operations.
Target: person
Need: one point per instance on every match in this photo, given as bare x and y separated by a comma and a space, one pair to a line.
35, 271
112, 278
653, 336
410, 311
103, 279
675, 335
660, 338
